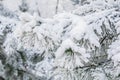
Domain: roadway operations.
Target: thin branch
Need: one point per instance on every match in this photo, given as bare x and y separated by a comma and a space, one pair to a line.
56, 9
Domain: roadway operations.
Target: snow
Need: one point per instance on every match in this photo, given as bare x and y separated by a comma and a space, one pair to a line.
81, 41
80, 27
114, 52
62, 56
65, 45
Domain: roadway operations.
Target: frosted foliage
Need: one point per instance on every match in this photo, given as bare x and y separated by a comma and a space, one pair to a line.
28, 35
68, 55
80, 41
99, 74
31, 36
114, 52
96, 6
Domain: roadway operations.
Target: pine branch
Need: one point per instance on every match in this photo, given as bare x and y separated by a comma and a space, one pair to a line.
93, 65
